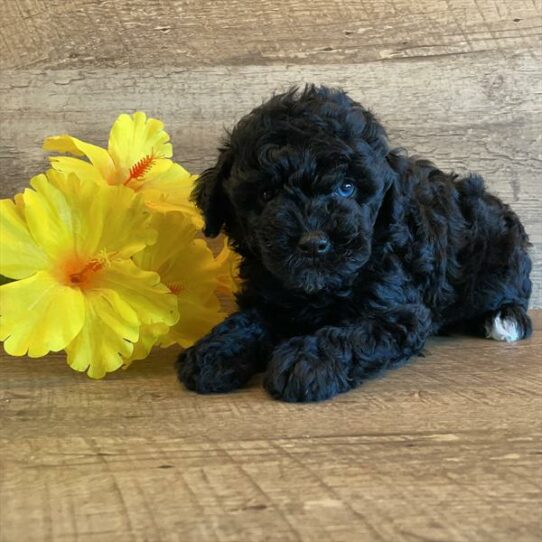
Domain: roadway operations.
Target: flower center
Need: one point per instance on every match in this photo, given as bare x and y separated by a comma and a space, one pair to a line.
175, 288
139, 169
81, 274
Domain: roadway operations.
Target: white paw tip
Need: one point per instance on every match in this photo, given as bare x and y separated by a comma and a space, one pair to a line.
503, 329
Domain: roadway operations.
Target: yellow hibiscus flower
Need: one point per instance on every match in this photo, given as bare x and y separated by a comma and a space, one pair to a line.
138, 156
70, 245
193, 279
228, 262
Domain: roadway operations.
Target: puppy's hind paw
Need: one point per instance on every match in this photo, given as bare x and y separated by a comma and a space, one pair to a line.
509, 324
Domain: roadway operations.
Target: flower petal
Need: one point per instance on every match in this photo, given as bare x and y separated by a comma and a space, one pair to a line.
168, 247
111, 327
133, 138
39, 315
49, 216
142, 290
196, 320
20, 256
228, 262
170, 191
186, 265
104, 218
83, 170
99, 157
148, 337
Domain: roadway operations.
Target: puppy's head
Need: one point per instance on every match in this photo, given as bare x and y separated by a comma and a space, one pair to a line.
298, 185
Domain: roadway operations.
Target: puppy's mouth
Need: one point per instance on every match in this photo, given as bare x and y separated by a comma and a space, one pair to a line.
313, 262
311, 274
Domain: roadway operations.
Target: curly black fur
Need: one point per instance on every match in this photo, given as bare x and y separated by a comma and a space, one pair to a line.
396, 250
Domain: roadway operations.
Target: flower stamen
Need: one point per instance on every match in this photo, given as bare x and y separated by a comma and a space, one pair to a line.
175, 288
83, 276
141, 168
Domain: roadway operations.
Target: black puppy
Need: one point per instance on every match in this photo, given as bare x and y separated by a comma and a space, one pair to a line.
352, 252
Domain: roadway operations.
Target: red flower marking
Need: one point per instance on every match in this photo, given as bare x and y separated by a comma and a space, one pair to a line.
82, 277
141, 168
175, 288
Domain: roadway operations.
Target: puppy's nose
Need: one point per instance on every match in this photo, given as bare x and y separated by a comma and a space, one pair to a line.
314, 243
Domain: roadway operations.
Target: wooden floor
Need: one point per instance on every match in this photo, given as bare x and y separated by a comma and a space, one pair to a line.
447, 448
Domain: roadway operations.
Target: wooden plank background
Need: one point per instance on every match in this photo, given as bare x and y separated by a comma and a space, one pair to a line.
457, 81
445, 449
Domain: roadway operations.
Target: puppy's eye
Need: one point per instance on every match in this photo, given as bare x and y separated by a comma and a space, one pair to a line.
267, 195
346, 190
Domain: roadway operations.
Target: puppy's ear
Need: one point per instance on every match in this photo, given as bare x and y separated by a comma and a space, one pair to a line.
209, 194
375, 134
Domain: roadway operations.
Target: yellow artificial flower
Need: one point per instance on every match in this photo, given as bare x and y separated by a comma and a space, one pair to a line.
70, 245
138, 156
228, 262
149, 336
187, 267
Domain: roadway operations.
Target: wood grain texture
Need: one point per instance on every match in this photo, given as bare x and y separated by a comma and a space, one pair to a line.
174, 33
481, 112
445, 449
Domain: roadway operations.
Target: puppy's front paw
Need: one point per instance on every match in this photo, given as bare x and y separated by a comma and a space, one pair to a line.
212, 367
304, 369
228, 356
